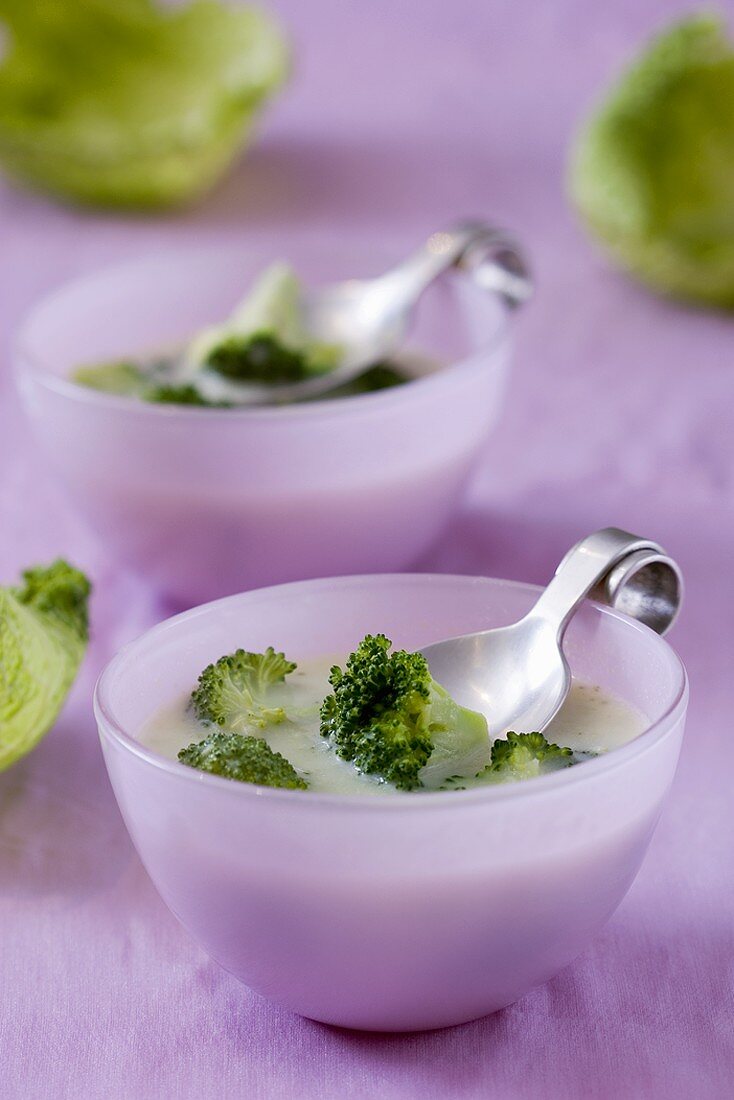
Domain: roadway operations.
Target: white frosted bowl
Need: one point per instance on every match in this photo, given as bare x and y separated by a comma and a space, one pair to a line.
417, 911
206, 502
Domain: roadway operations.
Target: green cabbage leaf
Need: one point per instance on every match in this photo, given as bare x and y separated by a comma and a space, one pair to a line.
43, 638
127, 103
652, 170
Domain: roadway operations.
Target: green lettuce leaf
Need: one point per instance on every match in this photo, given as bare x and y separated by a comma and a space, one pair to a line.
124, 103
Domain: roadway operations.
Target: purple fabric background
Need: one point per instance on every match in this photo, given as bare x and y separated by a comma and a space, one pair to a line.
400, 116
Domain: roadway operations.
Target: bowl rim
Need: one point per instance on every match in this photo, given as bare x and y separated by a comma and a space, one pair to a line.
26, 363
113, 731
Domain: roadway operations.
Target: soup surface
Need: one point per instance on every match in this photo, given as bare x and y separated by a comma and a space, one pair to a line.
591, 720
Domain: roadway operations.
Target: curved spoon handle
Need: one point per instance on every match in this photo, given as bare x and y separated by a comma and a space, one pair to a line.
491, 256
623, 570
497, 264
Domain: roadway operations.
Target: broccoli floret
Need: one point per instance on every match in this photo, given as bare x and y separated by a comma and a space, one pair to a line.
184, 394
381, 376
390, 718
245, 758
43, 637
258, 358
233, 692
524, 756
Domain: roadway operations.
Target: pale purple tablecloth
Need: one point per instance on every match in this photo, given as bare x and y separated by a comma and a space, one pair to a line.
402, 114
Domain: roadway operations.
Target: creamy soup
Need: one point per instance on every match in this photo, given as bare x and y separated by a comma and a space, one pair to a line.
591, 720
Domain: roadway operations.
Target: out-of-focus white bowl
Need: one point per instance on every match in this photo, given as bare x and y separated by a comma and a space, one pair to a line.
206, 502
415, 911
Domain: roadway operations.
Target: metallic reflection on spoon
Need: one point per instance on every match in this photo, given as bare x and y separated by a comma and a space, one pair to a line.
518, 675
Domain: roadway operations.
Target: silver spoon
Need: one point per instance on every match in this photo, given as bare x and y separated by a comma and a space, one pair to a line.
369, 317
517, 675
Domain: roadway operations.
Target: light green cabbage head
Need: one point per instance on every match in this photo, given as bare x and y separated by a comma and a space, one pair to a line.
43, 637
126, 103
652, 171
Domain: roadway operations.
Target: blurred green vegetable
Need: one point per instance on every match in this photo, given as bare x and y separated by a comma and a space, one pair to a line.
120, 377
124, 103
265, 339
652, 172
272, 310
43, 638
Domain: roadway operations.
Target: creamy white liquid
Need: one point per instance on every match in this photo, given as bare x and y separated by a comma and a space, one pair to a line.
590, 720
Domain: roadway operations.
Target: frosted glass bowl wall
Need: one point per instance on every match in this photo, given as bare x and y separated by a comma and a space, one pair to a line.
206, 502
416, 911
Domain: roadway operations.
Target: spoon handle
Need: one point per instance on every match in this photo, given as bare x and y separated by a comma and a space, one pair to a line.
623, 570
488, 254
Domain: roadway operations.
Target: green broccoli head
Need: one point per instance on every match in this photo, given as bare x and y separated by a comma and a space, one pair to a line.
258, 358
381, 376
60, 593
389, 717
234, 691
652, 172
43, 637
524, 756
179, 394
242, 757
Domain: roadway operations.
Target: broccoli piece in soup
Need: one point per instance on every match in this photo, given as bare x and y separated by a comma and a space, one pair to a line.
183, 394
242, 757
233, 692
388, 716
524, 756
258, 358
